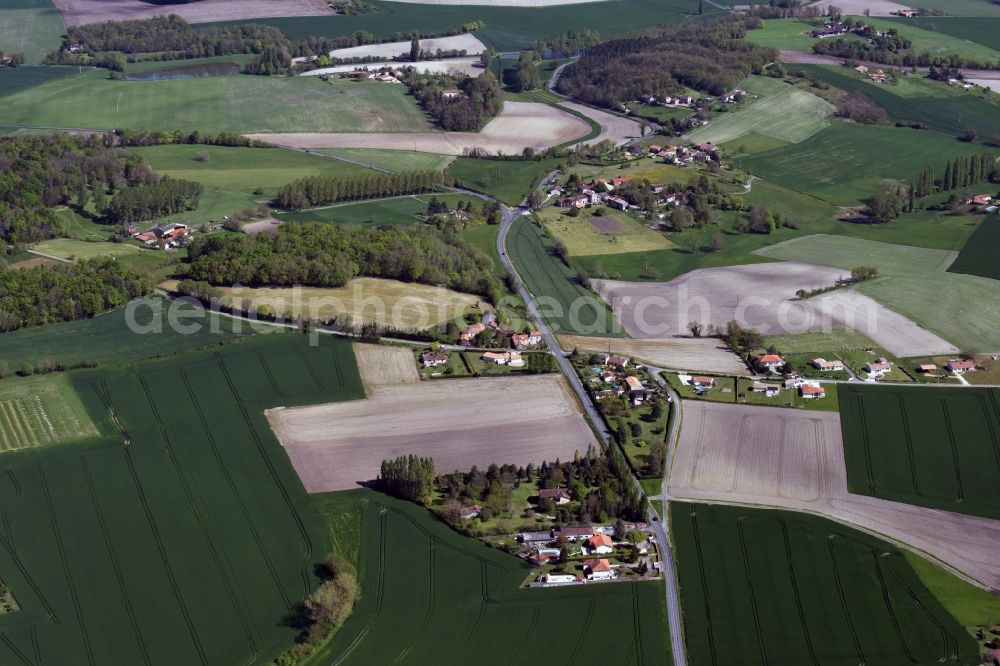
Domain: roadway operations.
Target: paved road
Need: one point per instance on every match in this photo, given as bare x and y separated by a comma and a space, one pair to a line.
510, 217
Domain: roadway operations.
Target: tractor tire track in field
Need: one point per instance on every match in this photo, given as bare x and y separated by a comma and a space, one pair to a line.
14, 483
101, 389
312, 371
115, 564
167, 568
954, 450
275, 478
270, 377
863, 418
887, 599
843, 599
519, 650
235, 492
36, 648
798, 596
753, 596
909, 444
199, 518
23, 658
483, 604
74, 595
991, 396
637, 623
431, 587
704, 586
584, 630
7, 541
950, 651
379, 592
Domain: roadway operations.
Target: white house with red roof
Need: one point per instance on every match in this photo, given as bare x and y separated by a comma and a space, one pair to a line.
598, 569
960, 366
770, 361
812, 391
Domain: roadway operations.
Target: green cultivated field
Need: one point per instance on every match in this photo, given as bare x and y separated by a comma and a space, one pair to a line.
393, 160
395, 211
184, 535
431, 596
507, 28
937, 42
210, 105
231, 176
777, 587
107, 338
14, 79
780, 110
912, 281
844, 163
933, 447
960, 7
972, 29
979, 254
564, 302
31, 27
35, 411
510, 181
939, 107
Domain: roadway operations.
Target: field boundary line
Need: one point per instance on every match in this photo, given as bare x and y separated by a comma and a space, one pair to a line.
7, 541
65, 564
909, 444
113, 556
954, 449
843, 598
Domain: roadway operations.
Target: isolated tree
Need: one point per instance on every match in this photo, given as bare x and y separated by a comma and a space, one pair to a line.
414, 49
695, 328
526, 75
969, 134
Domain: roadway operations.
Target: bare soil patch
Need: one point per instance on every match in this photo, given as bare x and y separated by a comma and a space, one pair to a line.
31, 263
459, 423
694, 354
858, 7
79, 12
520, 125
382, 365
614, 128
605, 224
766, 456
268, 226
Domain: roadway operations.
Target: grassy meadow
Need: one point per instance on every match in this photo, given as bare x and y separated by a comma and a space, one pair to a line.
237, 103
785, 588
430, 595
947, 435
773, 108
509, 181
41, 410
31, 27
978, 255
147, 538
392, 160
395, 211
960, 8
68, 248
912, 281
582, 238
965, 28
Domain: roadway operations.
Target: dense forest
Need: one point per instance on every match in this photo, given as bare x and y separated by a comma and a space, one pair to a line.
324, 255
470, 104
46, 295
320, 190
39, 173
709, 57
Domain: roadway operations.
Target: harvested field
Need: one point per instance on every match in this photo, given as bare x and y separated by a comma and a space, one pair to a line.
860, 7
382, 365
509, 420
78, 12
695, 354
614, 128
520, 125
268, 226
785, 458
469, 66
390, 50
762, 297
605, 224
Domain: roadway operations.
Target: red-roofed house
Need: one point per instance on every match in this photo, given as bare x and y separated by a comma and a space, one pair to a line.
471, 332
523, 340
575, 532
770, 361
703, 382
557, 495
812, 391
879, 366
600, 544
961, 365
599, 569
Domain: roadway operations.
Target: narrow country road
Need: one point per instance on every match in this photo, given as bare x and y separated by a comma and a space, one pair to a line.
510, 216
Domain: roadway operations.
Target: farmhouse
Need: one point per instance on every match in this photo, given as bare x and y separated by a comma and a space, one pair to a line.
557, 495
543, 555
576, 532
468, 335
960, 366
702, 382
432, 359
617, 202
525, 340
927, 367
978, 200
451, 93
823, 365
574, 201
770, 361
879, 366
769, 390
599, 569
511, 358
619, 362
534, 537
812, 391
600, 544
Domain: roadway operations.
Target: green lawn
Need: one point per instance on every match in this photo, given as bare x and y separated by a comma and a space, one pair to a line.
15, 79
946, 109
31, 27
237, 103
107, 338
430, 595
979, 254
660, 114
393, 160
913, 282
565, 304
772, 108
236, 178
509, 181
790, 34
844, 163
82, 228
396, 211
615, 232
779, 587
146, 538
933, 447
752, 143
960, 7
971, 606
76, 250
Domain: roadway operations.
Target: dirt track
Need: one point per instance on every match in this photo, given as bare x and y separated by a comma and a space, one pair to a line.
79, 12
792, 459
701, 354
458, 422
519, 125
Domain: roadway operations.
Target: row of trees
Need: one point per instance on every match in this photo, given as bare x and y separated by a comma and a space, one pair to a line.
163, 197
472, 103
145, 137
323, 255
707, 56
408, 477
50, 294
958, 173
320, 190
892, 49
